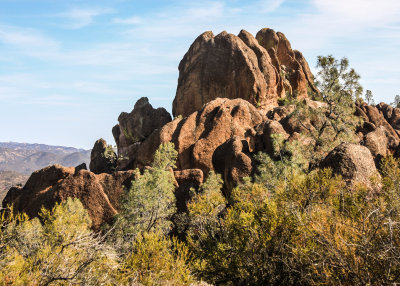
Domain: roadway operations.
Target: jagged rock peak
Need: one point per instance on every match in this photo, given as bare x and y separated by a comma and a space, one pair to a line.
259, 70
102, 158
136, 126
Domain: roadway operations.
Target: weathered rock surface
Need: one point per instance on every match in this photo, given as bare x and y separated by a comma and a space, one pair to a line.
376, 118
228, 66
233, 160
379, 133
103, 158
199, 135
136, 126
354, 162
377, 142
99, 194
188, 180
272, 128
391, 114
289, 62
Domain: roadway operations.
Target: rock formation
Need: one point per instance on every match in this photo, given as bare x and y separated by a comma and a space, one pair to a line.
199, 135
257, 70
233, 160
289, 62
103, 158
379, 133
99, 194
354, 162
187, 180
136, 126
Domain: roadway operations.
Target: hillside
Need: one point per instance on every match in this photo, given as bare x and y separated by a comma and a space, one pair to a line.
25, 158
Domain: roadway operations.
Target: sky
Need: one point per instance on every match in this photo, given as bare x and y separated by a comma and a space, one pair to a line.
69, 68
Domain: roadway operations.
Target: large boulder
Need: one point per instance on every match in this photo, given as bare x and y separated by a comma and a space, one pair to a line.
354, 162
99, 194
377, 142
240, 66
103, 158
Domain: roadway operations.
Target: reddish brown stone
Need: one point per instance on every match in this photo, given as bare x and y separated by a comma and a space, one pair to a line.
99, 194
228, 66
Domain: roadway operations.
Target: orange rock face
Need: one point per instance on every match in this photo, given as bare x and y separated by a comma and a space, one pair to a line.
198, 136
227, 66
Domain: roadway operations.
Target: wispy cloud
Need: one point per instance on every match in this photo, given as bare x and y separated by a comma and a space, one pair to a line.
266, 6
78, 18
128, 21
365, 12
25, 38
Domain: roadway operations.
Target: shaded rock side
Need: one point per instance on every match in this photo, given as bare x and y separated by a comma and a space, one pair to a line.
233, 160
354, 162
242, 66
99, 194
136, 126
103, 158
188, 180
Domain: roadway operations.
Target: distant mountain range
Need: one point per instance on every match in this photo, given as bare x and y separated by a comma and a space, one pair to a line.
25, 158
19, 160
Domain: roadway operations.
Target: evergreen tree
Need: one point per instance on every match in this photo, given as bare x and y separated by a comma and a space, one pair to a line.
150, 202
333, 123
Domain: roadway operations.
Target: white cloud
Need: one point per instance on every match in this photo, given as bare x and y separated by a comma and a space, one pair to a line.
79, 18
128, 21
367, 12
210, 10
25, 38
267, 6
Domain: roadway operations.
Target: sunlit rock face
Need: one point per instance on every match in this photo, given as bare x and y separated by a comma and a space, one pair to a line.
259, 70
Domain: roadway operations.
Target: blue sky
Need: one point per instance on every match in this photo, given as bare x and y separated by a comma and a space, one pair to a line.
68, 68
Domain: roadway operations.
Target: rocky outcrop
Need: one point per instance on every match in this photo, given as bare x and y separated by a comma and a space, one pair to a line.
188, 181
103, 158
136, 126
353, 162
391, 114
233, 160
290, 63
199, 135
378, 130
272, 128
375, 119
257, 70
99, 194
